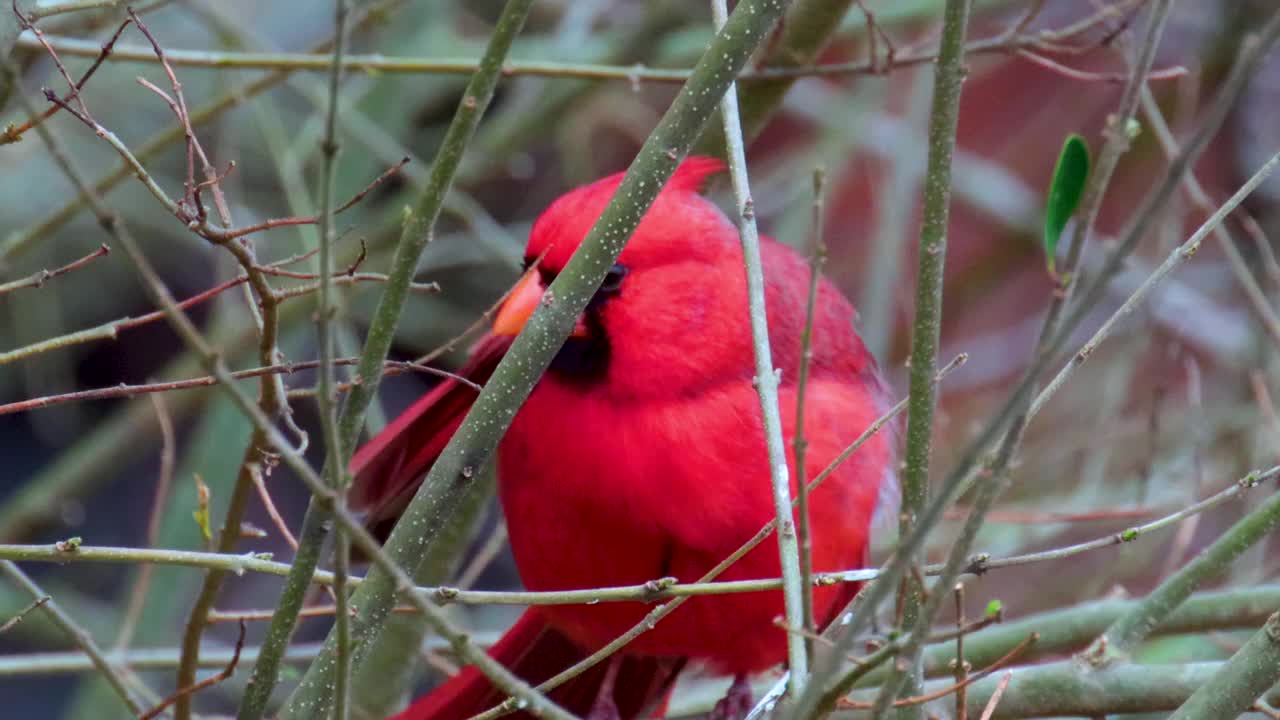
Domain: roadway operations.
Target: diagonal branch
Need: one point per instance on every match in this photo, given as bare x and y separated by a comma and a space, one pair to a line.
115, 676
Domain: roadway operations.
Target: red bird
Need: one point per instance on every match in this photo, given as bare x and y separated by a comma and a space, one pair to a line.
640, 454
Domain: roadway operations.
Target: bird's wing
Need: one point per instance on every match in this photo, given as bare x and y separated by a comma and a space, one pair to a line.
389, 468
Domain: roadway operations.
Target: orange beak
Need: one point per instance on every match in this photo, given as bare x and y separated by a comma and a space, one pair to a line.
519, 307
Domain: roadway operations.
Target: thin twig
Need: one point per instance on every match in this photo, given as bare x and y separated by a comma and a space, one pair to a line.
208, 682
326, 400
194, 148
13, 621
1239, 266
766, 379
391, 367
1124, 635
159, 499
1032, 12
40, 278
496, 542
115, 677
981, 563
265, 495
111, 330
1086, 76
799, 443
916, 700
994, 702
45, 10
151, 659
73, 88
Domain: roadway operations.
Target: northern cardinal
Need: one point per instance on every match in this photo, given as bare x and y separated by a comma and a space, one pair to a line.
640, 454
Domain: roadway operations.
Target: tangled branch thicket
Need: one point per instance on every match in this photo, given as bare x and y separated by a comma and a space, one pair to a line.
306, 207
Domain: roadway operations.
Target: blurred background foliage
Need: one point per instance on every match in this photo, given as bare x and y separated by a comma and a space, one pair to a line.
1170, 409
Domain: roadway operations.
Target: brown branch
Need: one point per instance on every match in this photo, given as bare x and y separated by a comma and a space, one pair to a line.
386, 175
1032, 12
14, 133
111, 330
874, 31
392, 367
58, 102
74, 87
39, 278
847, 704
208, 682
265, 495
956, 633
496, 541
272, 223
277, 268
193, 146
1071, 73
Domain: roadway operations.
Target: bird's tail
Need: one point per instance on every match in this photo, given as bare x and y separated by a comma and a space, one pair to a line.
535, 652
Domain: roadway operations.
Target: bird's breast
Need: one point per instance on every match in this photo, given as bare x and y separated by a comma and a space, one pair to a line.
599, 493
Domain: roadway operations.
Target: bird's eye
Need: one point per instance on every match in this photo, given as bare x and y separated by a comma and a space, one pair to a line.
613, 279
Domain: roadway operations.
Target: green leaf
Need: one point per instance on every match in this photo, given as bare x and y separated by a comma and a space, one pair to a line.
201, 513
993, 608
1069, 177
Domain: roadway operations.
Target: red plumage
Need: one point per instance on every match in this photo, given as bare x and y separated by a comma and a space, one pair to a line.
389, 468
648, 459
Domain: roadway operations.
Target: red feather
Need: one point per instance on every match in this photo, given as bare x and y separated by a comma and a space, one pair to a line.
656, 466
389, 468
